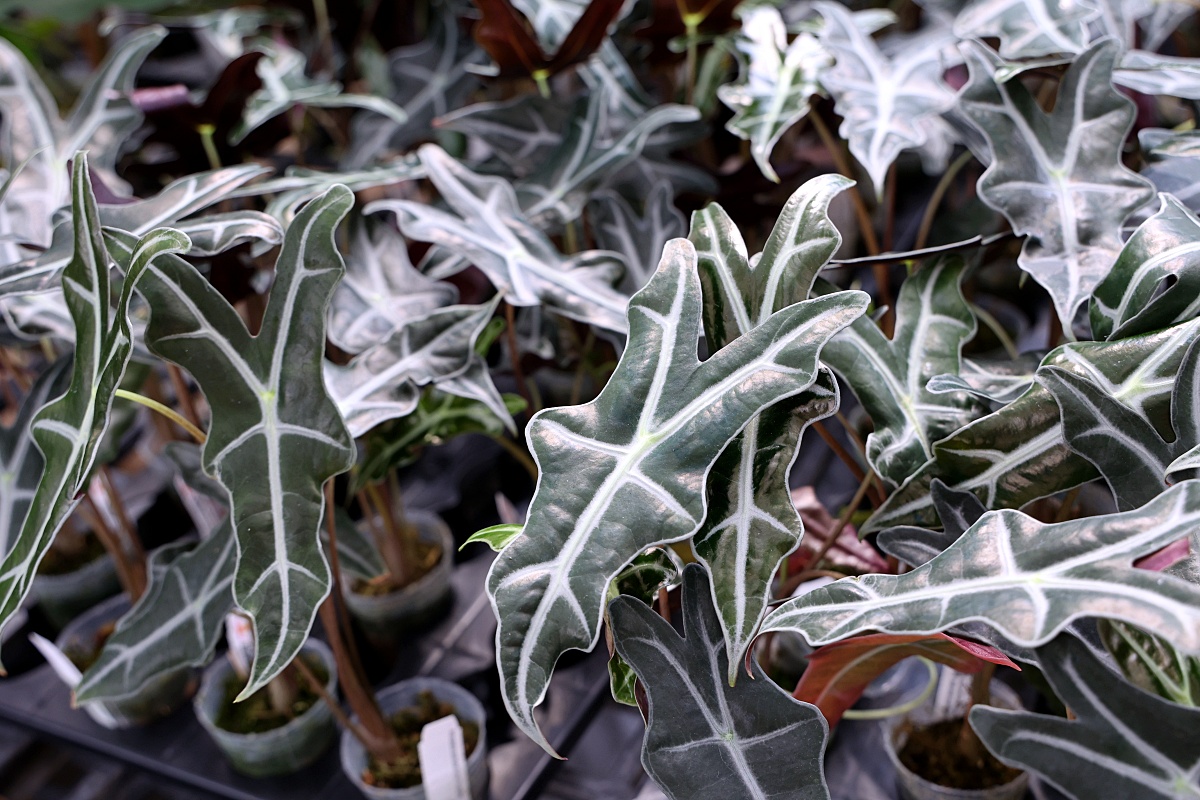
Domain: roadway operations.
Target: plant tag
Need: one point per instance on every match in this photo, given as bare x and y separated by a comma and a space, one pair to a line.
444, 760
69, 674
240, 636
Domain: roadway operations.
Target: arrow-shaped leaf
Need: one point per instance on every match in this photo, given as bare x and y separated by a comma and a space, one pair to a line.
777, 81
639, 239
588, 155
1123, 742
751, 523
21, 461
957, 511
889, 377
1156, 279
429, 78
1027, 28
382, 291
276, 436
623, 472
299, 185
998, 382
385, 382
177, 200
69, 429
887, 104
1020, 453
175, 624
706, 740
1058, 177
1026, 579
1173, 163
490, 230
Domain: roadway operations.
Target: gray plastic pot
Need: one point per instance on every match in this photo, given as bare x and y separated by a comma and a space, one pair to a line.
386, 618
281, 751
947, 702
405, 695
158, 698
65, 596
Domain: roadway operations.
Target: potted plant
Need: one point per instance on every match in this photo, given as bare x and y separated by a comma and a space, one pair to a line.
957, 443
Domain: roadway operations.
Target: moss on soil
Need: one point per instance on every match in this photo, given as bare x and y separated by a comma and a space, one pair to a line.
405, 771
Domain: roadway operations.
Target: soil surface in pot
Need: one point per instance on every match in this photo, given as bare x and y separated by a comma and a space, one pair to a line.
255, 714
933, 753
405, 771
62, 559
428, 556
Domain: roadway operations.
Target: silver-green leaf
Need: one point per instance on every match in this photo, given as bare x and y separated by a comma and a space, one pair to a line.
276, 436
1058, 177
623, 472
489, 229
1026, 579
68, 430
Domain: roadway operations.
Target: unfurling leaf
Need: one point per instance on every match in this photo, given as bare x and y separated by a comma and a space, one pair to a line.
706, 740
620, 474
838, 674
508, 40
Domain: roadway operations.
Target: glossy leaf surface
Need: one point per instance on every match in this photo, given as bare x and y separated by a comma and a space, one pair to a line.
620, 474
706, 740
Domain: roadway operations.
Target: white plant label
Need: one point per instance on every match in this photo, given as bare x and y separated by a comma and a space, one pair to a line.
443, 758
69, 674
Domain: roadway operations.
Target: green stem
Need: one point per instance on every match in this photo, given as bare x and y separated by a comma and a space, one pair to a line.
166, 411
693, 44
935, 199
903, 708
206, 131
542, 78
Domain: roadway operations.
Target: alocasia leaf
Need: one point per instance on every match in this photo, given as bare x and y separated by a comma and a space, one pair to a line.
521, 132
382, 291
102, 119
285, 84
68, 430
1156, 279
1173, 163
21, 461
558, 189
1151, 73
751, 523
489, 229
177, 622
998, 382
889, 377
1153, 663
276, 436
639, 239
430, 78
1027, 28
385, 381
621, 473
777, 81
1058, 177
706, 740
176, 201
657, 569
1019, 453
1026, 579
887, 104
1122, 742
838, 674
957, 511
